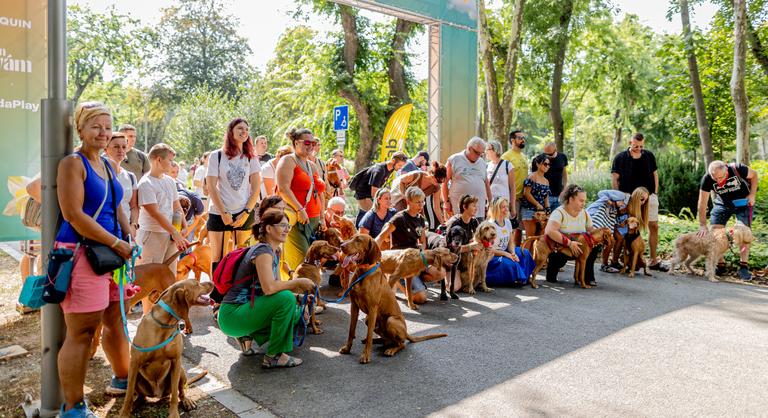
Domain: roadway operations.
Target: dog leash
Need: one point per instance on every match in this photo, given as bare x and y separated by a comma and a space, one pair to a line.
358, 280
305, 302
130, 275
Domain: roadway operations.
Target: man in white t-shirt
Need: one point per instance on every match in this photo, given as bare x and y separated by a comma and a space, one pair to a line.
467, 176
158, 201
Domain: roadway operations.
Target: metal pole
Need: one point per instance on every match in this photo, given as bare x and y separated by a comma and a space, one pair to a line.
56, 129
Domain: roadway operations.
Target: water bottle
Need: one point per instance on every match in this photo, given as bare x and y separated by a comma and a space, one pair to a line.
177, 220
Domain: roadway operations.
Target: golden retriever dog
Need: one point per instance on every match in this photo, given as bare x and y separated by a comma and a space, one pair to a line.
541, 246
411, 262
634, 247
374, 296
319, 252
159, 373
197, 261
475, 263
690, 247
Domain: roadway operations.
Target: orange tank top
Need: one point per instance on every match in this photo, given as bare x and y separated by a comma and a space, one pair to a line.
300, 188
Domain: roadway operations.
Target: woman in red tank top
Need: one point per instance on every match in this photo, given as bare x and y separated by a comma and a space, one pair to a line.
303, 195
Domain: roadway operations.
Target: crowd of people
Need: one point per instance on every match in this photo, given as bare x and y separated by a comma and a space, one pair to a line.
113, 194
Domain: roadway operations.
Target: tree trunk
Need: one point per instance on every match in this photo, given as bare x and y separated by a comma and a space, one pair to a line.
368, 141
756, 46
555, 109
761, 147
510, 68
398, 89
616, 135
489, 72
738, 88
482, 117
698, 97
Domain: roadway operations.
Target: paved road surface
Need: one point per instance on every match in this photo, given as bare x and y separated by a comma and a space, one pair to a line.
672, 346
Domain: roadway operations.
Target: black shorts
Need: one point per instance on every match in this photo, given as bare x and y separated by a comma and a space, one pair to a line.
215, 224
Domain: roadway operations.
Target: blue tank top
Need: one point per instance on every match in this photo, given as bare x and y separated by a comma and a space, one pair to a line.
95, 187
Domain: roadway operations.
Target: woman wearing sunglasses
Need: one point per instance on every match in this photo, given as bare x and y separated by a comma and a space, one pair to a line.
510, 265
300, 185
535, 194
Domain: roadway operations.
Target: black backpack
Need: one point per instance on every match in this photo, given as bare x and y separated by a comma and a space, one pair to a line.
360, 179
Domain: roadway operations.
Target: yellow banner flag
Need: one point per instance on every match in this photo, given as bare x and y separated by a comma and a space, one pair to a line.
394, 134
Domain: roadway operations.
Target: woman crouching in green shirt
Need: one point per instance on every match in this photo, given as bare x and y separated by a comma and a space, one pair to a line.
265, 308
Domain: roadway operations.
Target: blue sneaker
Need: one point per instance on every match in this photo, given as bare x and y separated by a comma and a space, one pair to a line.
744, 274
80, 410
117, 386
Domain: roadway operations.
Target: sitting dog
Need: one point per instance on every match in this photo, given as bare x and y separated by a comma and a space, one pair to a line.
198, 261
319, 252
690, 247
475, 263
541, 246
375, 298
159, 373
411, 262
634, 247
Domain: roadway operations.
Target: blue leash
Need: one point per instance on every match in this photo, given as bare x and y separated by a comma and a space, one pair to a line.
135, 253
299, 340
358, 280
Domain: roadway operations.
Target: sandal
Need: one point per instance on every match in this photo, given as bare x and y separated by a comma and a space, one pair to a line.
605, 268
274, 362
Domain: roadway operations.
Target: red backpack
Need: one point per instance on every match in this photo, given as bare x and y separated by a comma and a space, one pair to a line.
225, 275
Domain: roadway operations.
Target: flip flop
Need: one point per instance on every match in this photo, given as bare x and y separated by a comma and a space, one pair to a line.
273, 362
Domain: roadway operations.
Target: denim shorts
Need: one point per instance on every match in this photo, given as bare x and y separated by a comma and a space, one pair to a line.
527, 214
417, 285
720, 215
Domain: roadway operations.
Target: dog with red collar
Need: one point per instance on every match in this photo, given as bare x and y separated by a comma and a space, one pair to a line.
474, 264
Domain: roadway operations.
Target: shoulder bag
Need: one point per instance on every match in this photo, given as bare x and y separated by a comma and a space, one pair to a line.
102, 257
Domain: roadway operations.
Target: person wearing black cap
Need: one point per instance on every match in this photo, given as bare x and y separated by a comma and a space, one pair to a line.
419, 162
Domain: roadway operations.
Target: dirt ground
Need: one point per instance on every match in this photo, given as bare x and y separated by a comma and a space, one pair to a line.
21, 376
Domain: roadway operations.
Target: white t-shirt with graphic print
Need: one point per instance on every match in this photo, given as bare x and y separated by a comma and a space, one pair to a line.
234, 184
503, 235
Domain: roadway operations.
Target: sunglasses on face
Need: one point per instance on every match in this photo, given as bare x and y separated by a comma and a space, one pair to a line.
309, 143
545, 164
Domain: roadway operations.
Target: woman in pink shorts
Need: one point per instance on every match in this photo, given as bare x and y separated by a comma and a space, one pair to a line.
89, 192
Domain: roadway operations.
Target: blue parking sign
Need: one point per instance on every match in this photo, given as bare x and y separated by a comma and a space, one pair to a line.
341, 118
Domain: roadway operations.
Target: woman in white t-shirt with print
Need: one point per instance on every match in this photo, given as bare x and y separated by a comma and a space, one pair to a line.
117, 147
569, 218
501, 175
233, 182
510, 265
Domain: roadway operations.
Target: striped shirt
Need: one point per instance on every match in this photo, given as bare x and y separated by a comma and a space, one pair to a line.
602, 212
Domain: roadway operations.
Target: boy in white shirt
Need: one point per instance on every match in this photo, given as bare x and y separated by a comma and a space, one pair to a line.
158, 201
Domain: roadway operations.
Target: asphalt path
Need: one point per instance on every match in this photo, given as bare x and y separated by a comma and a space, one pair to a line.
661, 346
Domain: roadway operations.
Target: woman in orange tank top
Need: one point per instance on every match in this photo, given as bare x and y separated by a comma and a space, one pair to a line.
302, 195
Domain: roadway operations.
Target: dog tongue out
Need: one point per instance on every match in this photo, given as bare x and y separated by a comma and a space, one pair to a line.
348, 259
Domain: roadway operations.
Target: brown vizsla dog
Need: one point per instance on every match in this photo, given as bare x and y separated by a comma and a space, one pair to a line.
319, 252
541, 217
198, 261
159, 373
346, 227
408, 263
151, 279
634, 247
375, 298
542, 246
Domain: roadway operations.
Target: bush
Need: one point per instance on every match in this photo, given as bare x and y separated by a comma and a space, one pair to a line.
592, 181
761, 201
679, 181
